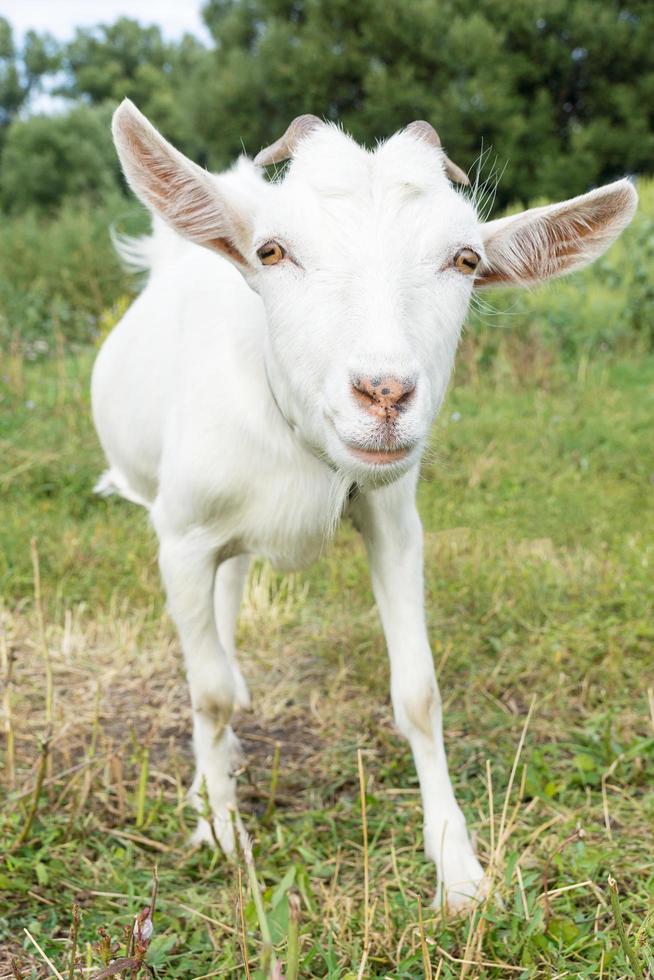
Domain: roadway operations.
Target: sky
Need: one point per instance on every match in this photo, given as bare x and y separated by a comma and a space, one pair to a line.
61, 17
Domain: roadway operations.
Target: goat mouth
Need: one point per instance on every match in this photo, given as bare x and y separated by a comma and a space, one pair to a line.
394, 453
378, 456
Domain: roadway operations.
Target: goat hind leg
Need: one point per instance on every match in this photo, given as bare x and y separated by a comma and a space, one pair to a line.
230, 582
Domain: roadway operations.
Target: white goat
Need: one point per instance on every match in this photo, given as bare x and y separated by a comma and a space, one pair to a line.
288, 372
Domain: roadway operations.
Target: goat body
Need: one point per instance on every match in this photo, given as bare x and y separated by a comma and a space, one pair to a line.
282, 366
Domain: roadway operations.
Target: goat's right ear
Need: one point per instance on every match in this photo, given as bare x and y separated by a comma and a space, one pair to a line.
183, 194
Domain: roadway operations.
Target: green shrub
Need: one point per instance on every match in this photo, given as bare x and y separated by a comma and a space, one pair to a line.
59, 275
47, 160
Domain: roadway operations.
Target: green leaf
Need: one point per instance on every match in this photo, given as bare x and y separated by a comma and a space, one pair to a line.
284, 885
278, 922
42, 875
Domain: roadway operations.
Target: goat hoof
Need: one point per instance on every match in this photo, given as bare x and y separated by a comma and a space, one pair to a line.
460, 895
221, 833
242, 700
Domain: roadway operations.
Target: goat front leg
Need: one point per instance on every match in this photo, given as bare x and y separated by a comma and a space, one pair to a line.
391, 528
188, 567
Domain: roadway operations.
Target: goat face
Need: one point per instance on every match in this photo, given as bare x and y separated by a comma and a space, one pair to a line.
365, 267
365, 263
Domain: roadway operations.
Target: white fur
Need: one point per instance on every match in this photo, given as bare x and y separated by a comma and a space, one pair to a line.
223, 402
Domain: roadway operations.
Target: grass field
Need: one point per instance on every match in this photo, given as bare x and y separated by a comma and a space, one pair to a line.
538, 505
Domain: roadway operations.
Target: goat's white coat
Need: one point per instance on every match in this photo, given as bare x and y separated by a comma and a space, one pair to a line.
223, 402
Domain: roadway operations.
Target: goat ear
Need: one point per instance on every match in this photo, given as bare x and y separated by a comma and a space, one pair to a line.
183, 194
542, 243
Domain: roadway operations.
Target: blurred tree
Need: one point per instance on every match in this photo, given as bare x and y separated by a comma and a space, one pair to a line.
112, 61
558, 93
562, 90
22, 70
47, 159
13, 91
102, 62
50, 158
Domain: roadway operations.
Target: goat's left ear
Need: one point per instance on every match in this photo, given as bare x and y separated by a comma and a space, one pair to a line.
183, 194
541, 243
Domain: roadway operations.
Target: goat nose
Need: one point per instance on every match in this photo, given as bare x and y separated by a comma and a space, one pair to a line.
385, 396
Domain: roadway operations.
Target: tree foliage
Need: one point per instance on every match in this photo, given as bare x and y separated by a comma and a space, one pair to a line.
22, 69
561, 92
559, 95
109, 62
48, 159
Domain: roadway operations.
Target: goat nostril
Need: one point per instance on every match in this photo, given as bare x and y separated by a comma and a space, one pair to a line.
362, 391
363, 394
383, 395
406, 397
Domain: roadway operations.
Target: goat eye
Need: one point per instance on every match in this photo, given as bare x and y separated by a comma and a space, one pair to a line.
466, 261
271, 253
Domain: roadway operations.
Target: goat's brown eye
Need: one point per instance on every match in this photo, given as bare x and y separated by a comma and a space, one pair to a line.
271, 253
466, 261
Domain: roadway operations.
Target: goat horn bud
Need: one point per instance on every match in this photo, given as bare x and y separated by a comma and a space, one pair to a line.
425, 131
284, 147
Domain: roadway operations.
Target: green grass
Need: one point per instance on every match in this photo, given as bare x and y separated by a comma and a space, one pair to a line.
538, 505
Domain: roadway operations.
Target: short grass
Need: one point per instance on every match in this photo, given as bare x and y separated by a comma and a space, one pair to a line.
538, 505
